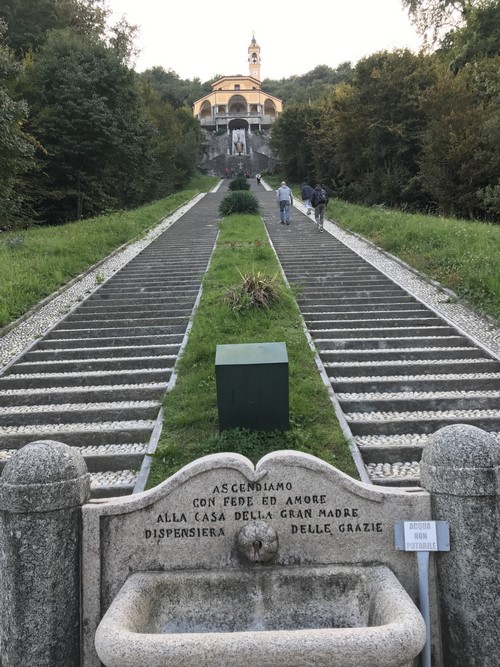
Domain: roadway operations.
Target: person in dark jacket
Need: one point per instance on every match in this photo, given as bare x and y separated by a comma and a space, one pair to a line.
306, 194
285, 200
319, 200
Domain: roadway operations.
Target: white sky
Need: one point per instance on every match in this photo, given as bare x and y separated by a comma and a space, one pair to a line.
198, 38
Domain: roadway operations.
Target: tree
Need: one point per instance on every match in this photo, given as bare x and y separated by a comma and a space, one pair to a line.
290, 141
29, 21
460, 164
370, 131
171, 88
87, 111
16, 146
310, 87
434, 18
478, 38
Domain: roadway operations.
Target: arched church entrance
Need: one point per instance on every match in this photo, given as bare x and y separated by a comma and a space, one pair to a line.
238, 124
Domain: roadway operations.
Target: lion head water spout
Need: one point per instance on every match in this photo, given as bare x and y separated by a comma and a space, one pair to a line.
257, 542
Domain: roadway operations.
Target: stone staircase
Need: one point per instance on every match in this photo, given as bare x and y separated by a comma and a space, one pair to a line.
399, 371
95, 381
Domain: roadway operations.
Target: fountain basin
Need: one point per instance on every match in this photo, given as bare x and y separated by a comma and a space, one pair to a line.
264, 616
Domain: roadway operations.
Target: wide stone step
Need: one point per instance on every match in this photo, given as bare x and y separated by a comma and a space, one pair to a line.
94, 353
352, 283
85, 365
420, 422
81, 434
388, 343
429, 367
130, 290
379, 332
166, 296
343, 294
397, 316
131, 322
155, 281
348, 302
113, 331
401, 355
322, 272
99, 393
417, 323
367, 309
139, 306
131, 296
101, 458
400, 473
139, 313
73, 413
112, 483
85, 380
423, 401
62, 343
405, 383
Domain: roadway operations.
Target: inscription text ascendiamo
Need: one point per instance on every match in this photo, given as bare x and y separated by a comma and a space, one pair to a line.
296, 512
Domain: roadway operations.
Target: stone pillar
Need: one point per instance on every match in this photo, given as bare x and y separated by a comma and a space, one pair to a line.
42, 489
460, 468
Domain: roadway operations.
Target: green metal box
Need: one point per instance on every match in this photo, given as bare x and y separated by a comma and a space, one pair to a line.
252, 386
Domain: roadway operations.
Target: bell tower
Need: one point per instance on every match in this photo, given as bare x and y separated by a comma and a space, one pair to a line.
254, 58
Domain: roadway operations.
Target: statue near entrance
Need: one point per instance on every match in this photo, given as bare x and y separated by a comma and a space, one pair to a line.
238, 146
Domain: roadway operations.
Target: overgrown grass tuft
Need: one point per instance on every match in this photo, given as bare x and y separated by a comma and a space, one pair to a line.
255, 290
190, 428
35, 262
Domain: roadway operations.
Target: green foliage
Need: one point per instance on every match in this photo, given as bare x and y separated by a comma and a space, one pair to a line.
433, 17
309, 87
479, 38
30, 21
239, 183
239, 202
290, 139
174, 90
375, 125
460, 162
255, 290
16, 146
87, 113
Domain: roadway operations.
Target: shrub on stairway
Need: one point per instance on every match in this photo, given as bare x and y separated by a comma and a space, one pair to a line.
238, 202
239, 183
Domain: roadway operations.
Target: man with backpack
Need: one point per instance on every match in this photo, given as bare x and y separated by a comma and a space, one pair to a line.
319, 200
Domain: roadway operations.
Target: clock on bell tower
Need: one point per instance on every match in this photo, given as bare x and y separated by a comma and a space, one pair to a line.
254, 58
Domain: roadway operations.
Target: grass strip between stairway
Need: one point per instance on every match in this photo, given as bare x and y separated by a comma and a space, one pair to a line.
190, 428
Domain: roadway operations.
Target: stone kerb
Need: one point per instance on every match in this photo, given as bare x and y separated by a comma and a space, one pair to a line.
461, 469
42, 489
192, 521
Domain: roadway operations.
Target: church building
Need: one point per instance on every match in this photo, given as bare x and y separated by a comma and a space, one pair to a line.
238, 102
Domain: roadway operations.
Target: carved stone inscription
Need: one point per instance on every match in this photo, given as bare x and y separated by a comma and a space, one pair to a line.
227, 504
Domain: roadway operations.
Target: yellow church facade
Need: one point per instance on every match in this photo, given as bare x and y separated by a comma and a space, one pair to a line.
239, 101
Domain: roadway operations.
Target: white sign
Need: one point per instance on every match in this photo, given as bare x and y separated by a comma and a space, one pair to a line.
420, 536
